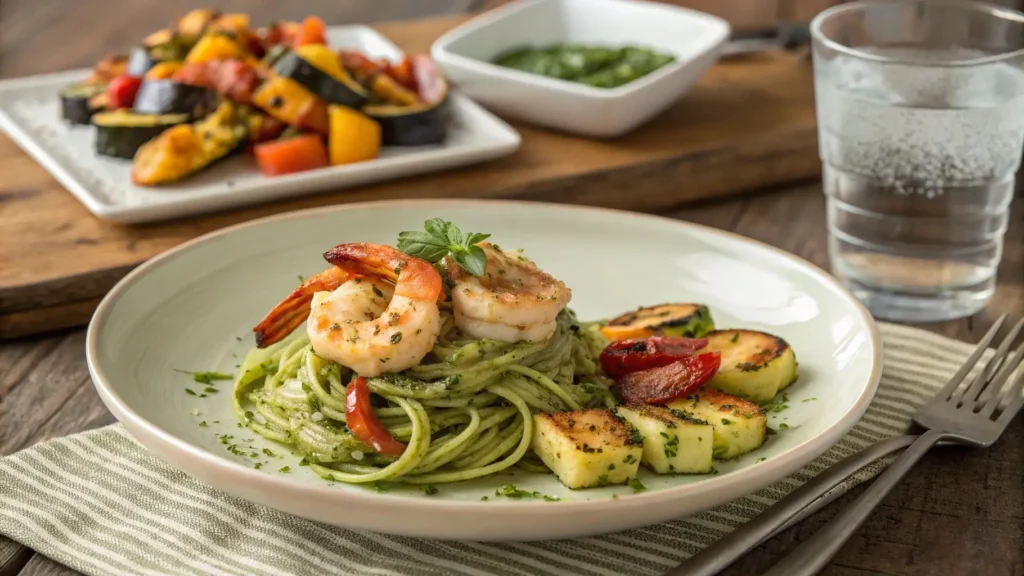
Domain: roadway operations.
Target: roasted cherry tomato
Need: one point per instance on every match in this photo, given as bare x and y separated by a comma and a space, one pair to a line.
122, 90
625, 356
363, 423
671, 382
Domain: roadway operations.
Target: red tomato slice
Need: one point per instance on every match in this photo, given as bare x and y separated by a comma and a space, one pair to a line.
667, 383
290, 155
122, 90
363, 423
625, 356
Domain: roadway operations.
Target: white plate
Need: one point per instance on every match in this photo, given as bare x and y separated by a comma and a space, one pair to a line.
192, 307
30, 114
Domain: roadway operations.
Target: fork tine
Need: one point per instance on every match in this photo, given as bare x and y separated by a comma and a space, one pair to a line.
951, 386
1015, 401
981, 382
991, 393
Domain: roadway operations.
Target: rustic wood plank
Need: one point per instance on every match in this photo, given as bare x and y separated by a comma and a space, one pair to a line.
40, 565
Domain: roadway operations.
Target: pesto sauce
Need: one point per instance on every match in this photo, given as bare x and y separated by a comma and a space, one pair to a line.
597, 66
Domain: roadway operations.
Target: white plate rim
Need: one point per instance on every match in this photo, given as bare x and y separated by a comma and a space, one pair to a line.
725, 488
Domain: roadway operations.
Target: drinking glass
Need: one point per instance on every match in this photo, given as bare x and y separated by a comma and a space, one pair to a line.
920, 107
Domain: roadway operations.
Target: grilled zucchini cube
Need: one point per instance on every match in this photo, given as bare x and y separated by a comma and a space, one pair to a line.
673, 442
739, 426
755, 365
688, 320
587, 448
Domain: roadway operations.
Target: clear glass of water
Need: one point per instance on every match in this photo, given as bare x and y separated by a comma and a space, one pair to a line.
920, 107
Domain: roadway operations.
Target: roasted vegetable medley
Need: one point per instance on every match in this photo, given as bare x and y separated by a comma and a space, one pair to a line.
210, 85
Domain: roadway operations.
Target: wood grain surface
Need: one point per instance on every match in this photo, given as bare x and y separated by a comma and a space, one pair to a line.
749, 123
959, 513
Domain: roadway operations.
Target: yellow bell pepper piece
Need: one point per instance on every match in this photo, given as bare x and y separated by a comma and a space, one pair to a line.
354, 137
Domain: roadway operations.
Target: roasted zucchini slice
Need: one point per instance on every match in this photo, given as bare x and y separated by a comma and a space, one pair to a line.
755, 365
739, 426
420, 124
674, 442
121, 133
188, 148
587, 448
688, 320
170, 97
334, 86
78, 103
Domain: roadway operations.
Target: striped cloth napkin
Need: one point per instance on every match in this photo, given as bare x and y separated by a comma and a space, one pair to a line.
101, 504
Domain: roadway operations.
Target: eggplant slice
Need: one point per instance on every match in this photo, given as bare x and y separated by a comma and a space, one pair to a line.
77, 102
417, 125
344, 91
170, 97
122, 132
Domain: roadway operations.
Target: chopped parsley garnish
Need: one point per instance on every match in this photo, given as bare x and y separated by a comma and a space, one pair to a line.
672, 447
285, 469
735, 337
629, 459
304, 462
258, 465
808, 399
377, 292
636, 485
430, 490
269, 452
190, 392
442, 238
484, 498
510, 491
761, 459
396, 337
206, 377
202, 424
783, 426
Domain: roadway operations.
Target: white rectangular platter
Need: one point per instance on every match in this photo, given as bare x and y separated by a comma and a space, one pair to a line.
30, 114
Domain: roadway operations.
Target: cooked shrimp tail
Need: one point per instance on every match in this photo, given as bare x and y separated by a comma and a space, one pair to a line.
387, 263
284, 318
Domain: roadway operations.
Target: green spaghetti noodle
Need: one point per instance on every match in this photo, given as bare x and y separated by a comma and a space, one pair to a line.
464, 412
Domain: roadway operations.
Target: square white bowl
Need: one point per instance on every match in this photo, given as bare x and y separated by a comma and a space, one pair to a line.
466, 53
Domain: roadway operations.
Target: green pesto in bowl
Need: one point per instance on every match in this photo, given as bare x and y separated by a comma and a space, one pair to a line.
598, 66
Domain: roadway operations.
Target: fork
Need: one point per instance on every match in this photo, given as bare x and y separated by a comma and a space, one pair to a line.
968, 415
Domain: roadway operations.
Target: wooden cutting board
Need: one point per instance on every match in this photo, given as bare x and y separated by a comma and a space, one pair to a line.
748, 124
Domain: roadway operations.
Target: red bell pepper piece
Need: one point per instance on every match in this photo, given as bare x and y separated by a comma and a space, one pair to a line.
298, 154
667, 383
312, 30
363, 423
122, 90
626, 356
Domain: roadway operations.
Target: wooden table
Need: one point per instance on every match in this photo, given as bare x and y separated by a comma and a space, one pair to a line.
961, 512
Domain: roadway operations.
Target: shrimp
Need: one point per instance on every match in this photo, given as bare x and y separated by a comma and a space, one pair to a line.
512, 302
357, 318
293, 310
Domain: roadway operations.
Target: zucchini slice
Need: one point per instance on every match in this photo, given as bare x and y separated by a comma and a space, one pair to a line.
587, 448
755, 365
739, 426
687, 320
170, 97
420, 124
188, 148
674, 443
337, 88
121, 133
78, 104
